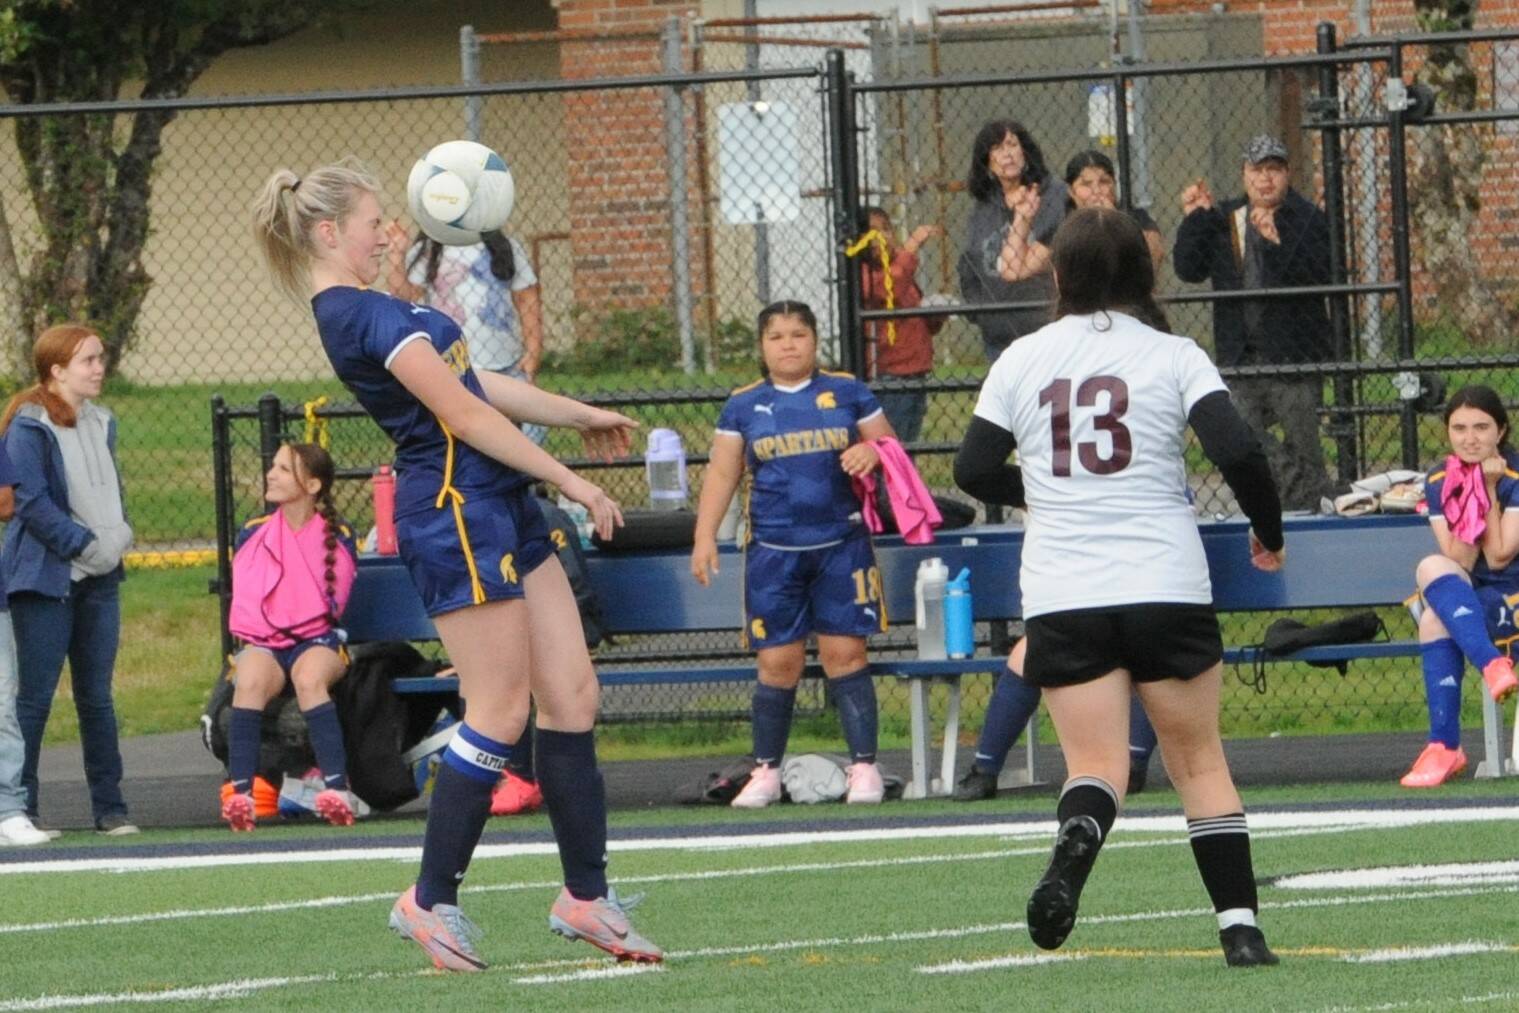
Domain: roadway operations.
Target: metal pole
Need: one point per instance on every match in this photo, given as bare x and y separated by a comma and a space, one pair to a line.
1397, 179
1341, 425
469, 73
703, 205
1140, 160
761, 230
680, 229
221, 470
270, 423
846, 205
1121, 132
1368, 207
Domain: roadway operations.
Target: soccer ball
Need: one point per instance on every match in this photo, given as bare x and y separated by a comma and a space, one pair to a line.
458, 190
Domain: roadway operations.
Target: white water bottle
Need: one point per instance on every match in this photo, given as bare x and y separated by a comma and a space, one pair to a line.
928, 595
665, 466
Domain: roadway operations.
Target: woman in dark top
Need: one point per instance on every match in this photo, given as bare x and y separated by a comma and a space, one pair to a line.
1006, 255
1093, 183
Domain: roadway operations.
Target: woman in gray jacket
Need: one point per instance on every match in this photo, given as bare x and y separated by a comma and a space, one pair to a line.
61, 559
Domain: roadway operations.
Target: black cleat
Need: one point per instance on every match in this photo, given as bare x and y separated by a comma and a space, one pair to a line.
1052, 906
1245, 946
975, 786
1139, 772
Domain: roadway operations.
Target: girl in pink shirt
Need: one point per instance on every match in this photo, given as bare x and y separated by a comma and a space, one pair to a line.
292, 572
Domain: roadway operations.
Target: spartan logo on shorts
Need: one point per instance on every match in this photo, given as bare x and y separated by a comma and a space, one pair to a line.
508, 570
757, 629
825, 400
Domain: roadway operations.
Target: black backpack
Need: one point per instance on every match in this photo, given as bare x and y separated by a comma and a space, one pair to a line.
572, 558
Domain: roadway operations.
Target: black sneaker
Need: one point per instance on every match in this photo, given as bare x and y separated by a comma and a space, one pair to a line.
1139, 772
115, 825
975, 786
1052, 906
1245, 946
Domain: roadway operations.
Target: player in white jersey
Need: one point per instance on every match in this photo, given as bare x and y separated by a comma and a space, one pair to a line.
1114, 580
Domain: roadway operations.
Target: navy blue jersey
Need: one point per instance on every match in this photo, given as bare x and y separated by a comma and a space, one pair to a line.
1506, 579
792, 441
362, 330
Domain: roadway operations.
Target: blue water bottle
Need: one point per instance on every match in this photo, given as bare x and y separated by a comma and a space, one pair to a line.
959, 626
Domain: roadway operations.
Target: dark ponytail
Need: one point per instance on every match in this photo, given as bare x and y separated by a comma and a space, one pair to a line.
503, 257
317, 463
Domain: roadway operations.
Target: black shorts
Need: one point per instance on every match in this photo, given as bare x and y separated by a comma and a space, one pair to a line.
1154, 642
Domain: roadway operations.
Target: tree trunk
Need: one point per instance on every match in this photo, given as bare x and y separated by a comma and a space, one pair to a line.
1446, 178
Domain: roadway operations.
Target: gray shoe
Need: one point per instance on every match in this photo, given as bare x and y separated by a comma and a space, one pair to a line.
115, 825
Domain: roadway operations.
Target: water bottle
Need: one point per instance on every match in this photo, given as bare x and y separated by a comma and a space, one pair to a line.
383, 489
959, 626
665, 466
581, 518
727, 529
928, 595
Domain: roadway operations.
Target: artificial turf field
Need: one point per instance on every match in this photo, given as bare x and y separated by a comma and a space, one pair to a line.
1375, 898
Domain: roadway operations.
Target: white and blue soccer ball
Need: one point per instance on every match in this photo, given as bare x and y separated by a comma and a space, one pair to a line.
459, 190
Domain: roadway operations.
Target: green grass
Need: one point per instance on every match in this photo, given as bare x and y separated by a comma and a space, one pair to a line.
807, 924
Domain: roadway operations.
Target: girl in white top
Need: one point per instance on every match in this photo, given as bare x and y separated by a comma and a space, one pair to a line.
1114, 580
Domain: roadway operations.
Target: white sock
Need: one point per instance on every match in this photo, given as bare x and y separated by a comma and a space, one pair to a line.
1235, 916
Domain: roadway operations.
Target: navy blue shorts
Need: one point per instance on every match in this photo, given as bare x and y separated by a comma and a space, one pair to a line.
791, 593
286, 657
475, 552
1498, 610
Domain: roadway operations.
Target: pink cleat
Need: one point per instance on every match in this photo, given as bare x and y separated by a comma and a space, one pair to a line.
763, 788
444, 933
514, 795
237, 810
1436, 765
337, 806
865, 787
603, 923
1500, 679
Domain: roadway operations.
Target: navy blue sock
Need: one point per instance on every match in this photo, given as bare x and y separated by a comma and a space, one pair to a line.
521, 762
1013, 703
242, 747
327, 743
771, 722
1141, 734
461, 803
577, 804
855, 695
1458, 607
1443, 667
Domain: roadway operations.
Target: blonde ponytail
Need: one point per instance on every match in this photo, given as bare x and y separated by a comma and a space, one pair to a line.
289, 206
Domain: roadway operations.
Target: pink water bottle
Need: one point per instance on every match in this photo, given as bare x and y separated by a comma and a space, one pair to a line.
383, 487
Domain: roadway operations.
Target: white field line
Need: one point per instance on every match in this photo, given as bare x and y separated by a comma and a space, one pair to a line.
591, 974
1015, 960
1288, 820
1392, 954
1404, 875
238, 988
1465, 1000
275, 907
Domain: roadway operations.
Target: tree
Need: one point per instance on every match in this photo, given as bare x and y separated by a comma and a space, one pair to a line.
89, 174
1446, 180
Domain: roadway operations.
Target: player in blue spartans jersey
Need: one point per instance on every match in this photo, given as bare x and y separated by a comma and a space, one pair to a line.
1469, 589
477, 549
802, 433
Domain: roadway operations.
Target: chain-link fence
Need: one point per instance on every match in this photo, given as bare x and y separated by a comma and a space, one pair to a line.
671, 182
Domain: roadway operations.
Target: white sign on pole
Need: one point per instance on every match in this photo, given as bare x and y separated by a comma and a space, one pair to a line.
759, 166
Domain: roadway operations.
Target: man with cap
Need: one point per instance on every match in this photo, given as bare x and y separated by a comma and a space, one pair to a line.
1269, 237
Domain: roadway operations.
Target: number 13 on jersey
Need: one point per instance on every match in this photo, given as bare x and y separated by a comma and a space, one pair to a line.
1089, 452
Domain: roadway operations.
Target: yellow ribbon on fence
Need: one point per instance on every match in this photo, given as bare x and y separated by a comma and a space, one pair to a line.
316, 426
875, 236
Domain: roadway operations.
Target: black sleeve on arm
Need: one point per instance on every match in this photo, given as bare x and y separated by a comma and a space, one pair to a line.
981, 467
1235, 448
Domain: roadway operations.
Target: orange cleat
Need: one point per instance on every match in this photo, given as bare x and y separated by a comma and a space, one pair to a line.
513, 795
447, 937
1436, 765
1500, 679
237, 810
603, 923
266, 800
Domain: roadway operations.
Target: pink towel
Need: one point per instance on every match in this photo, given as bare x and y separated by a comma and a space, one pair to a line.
1465, 501
911, 502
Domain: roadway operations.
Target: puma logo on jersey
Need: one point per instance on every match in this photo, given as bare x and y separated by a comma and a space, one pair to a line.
1461, 610
757, 629
870, 612
825, 400
508, 569
766, 409
419, 310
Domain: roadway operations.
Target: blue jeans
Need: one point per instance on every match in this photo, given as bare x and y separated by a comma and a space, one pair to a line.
84, 629
12, 747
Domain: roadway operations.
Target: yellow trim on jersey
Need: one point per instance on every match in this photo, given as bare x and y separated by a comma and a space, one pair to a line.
1510, 473
881, 584
1437, 476
837, 372
747, 386
255, 522
456, 498
743, 551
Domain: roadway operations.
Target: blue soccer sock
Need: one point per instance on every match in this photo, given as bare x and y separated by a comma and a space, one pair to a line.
771, 722
855, 695
576, 799
1014, 701
327, 742
243, 735
461, 803
1443, 667
1141, 734
1457, 605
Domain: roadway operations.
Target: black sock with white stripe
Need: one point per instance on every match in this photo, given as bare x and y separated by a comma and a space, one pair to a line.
1221, 846
1088, 796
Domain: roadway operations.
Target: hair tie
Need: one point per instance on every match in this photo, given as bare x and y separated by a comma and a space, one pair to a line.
296, 185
